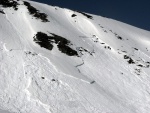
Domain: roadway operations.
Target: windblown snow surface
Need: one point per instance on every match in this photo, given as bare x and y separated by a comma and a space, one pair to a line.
55, 60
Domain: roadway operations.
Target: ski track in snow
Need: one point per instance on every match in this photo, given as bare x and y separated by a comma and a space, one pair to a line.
21, 44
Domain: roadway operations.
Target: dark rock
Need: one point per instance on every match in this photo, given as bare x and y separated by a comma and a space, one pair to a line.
107, 47
136, 49
119, 37
43, 40
53, 80
126, 57
131, 61
73, 15
33, 11
9, 3
88, 16
2, 12
30, 53
43, 77
81, 50
47, 42
140, 65
102, 43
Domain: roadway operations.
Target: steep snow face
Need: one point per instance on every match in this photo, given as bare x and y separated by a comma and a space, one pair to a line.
55, 60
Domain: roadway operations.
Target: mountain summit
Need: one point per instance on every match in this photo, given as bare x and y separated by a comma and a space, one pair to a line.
55, 60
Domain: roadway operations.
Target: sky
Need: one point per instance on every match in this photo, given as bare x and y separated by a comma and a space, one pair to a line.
133, 12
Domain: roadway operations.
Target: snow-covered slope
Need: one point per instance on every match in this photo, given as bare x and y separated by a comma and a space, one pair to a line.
55, 60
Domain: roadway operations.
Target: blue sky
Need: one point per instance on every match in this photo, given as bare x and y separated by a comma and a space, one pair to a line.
134, 12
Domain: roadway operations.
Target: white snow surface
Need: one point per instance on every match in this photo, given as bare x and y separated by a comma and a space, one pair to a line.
99, 81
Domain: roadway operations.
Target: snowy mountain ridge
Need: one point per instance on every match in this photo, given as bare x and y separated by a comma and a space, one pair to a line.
55, 60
